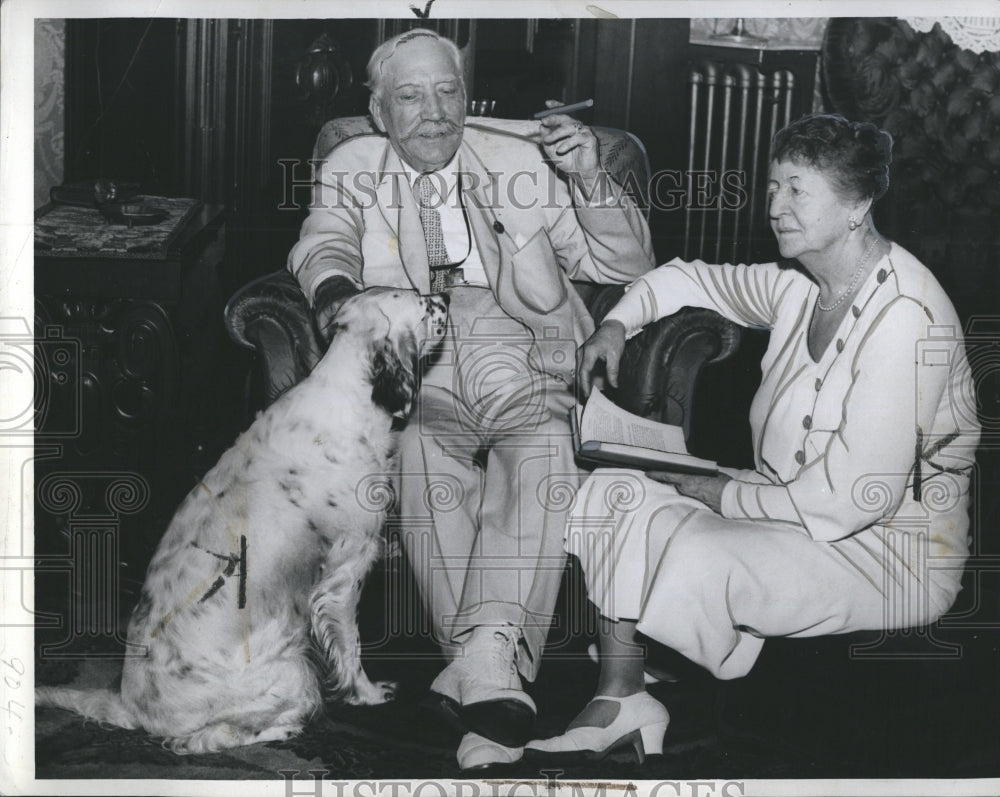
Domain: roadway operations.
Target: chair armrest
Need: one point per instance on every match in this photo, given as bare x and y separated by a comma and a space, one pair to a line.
660, 366
271, 316
657, 377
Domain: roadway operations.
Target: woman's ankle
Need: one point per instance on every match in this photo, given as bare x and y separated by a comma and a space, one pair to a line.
623, 684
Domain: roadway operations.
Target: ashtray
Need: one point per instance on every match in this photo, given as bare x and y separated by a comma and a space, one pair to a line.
131, 213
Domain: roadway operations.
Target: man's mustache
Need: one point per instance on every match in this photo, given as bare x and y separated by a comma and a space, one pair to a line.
435, 128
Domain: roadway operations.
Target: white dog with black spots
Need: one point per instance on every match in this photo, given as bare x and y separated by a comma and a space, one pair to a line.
247, 617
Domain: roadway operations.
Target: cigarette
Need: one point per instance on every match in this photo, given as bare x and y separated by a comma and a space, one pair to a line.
576, 106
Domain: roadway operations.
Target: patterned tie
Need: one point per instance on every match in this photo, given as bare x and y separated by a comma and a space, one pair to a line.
430, 220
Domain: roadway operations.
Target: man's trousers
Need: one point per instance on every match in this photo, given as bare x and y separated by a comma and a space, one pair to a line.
486, 479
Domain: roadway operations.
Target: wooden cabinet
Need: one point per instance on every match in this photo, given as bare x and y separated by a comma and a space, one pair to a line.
136, 389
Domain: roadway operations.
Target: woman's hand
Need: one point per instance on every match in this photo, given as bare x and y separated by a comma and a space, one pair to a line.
707, 489
572, 147
607, 344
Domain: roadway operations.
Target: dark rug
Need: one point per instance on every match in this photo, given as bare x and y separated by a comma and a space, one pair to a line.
810, 709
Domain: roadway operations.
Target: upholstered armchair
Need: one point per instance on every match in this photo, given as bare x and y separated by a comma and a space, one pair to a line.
660, 367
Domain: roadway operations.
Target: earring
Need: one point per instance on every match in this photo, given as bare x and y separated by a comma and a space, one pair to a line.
852, 223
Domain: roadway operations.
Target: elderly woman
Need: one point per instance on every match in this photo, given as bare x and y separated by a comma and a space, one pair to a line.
855, 515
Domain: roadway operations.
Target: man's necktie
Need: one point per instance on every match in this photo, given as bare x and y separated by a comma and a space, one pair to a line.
430, 220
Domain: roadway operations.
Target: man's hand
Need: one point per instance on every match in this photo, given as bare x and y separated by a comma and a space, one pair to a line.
330, 295
707, 489
607, 344
572, 147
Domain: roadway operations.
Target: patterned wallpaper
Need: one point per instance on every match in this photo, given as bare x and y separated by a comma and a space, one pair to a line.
50, 68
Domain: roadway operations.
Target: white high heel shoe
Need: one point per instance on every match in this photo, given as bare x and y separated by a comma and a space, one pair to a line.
641, 722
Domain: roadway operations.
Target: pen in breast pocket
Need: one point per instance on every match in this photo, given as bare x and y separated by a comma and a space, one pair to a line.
571, 108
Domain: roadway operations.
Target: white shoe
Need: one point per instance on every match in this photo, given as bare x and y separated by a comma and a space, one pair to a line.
641, 722
490, 665
477, 752
482, 689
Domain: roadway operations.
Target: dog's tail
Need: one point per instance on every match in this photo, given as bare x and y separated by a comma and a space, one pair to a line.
102, 705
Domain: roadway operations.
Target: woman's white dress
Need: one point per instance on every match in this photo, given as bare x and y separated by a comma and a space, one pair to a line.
856, 514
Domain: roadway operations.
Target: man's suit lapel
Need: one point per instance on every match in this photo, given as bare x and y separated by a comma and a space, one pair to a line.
399, 209
480, 197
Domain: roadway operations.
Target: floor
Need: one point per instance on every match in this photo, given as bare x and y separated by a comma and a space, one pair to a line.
910, 706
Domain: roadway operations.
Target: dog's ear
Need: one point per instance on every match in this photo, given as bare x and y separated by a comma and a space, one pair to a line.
394, 379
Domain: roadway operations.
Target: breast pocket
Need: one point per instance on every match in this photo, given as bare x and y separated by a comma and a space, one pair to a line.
537, 280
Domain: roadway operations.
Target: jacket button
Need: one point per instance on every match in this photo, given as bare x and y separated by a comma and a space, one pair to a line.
855, 310
819, 384
807, 422
882, 274
800, 457
840, 345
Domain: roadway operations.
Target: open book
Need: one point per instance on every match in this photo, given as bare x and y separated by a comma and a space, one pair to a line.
605, 434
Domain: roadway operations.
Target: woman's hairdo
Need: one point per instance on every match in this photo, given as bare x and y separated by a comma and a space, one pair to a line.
387, 49
855, 155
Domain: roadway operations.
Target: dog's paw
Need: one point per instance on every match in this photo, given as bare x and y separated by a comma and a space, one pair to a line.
362, 692
387, 690
372, 694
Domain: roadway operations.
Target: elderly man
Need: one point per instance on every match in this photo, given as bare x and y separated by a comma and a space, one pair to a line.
485, 461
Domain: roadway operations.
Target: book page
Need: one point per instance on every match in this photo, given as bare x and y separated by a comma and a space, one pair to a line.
620, 455
604, 421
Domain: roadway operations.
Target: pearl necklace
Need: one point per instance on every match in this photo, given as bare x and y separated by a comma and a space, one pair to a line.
854, 281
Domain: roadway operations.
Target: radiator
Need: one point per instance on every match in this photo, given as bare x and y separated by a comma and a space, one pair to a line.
735, 111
